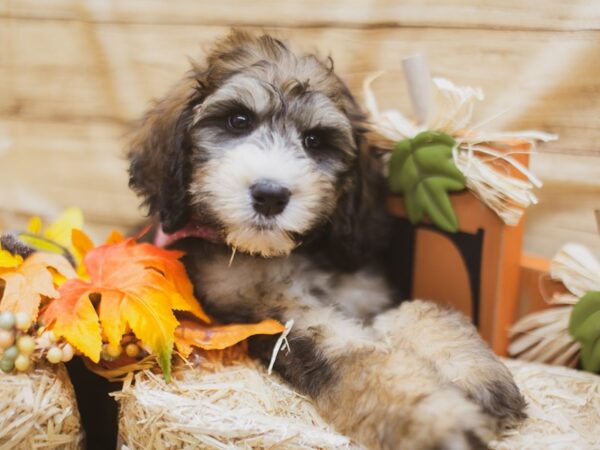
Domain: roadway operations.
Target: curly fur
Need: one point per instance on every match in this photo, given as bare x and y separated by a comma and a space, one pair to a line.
416, 376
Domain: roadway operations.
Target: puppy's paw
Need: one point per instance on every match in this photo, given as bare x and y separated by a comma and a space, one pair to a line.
443, 420
500, 397
491, 385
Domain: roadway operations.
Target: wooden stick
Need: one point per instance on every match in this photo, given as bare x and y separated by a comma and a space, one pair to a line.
418, 80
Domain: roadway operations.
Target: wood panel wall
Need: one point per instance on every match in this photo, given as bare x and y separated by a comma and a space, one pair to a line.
74, 74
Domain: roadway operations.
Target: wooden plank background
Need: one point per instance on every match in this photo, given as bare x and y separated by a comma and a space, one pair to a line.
74, 74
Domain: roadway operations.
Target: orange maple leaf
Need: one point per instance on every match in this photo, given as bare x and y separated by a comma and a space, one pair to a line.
25, 284
139, 287
194, 334
81, 244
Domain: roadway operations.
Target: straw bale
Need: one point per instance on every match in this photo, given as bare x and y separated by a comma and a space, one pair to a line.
563, 408
220, 406
239, 405
38, 410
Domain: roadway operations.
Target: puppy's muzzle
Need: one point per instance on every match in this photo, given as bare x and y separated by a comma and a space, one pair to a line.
269, 198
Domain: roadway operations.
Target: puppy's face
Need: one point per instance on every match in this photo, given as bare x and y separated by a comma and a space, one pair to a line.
267, 156
266, 145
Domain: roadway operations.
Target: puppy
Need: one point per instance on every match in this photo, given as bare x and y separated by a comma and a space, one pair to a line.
257, 165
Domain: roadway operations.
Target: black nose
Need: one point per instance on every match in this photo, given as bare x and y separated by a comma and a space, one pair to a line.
269, 198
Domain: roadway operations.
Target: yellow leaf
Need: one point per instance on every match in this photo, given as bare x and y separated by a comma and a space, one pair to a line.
81, 242
74, 318
81, 245
35, 225
25, 286
41, 244
58, 278
153, 322
59, 231
56, 238
112, 322
8, 260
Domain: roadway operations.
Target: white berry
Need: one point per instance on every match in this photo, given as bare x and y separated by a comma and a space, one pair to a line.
67, 353
54, 355
49, 336
6, 365
43, 343
7, 338
22, 363
112, 351
22, 321
11, 353
7, 320
26, 345
132, 350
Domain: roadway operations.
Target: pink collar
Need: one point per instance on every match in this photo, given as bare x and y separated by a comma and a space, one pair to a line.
192, 229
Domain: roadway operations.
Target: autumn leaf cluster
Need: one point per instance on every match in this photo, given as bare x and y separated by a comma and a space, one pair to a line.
116, 290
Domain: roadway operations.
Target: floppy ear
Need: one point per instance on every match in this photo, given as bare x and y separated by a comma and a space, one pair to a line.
159, 155
360, 224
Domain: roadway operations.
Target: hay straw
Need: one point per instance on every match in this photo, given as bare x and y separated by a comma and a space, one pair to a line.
220, 406
38, 410
563, 409
237, 405
120, 373
281, 344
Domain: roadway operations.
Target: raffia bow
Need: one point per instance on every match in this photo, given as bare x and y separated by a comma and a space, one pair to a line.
506, 188
543, 336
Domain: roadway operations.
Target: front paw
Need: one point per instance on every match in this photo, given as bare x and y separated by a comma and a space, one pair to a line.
500, 397
491, 385
443, 420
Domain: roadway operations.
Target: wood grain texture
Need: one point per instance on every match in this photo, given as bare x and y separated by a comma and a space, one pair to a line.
565, 212
74, 74
105, 72
509, 14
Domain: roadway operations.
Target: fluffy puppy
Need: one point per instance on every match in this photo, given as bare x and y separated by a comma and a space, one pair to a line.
261, 153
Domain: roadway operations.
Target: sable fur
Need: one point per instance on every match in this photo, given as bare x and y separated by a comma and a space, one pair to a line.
416, 376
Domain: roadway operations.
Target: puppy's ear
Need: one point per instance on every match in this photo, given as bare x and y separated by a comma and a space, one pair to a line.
360, 224
159, 155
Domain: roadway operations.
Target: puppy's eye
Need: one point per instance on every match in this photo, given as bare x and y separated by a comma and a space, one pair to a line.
239, 121
311, 140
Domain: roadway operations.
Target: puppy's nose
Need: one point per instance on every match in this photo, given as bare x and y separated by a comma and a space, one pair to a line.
269, 198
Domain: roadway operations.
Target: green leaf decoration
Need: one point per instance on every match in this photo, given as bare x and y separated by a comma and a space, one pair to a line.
423, 171
584, 326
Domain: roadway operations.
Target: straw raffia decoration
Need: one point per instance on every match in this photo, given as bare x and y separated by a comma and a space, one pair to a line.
485, 158
38, 410
543, 336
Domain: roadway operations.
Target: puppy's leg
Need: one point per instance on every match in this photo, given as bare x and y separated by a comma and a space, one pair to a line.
383, 396
449, 341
